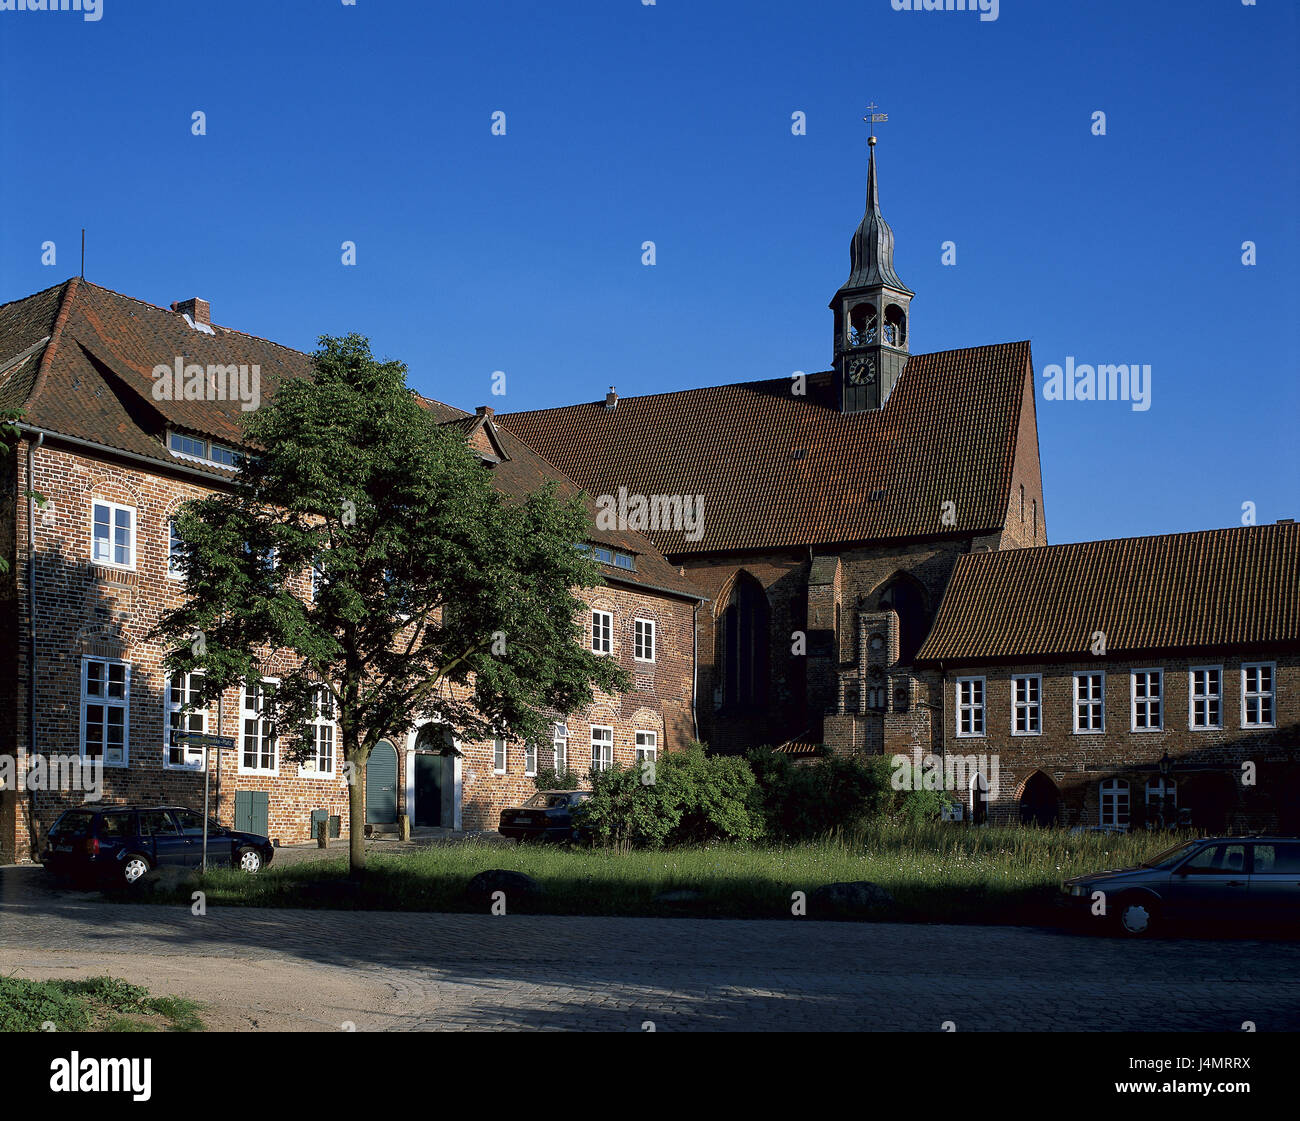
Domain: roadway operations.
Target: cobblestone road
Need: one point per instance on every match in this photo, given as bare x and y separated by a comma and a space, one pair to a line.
433, 971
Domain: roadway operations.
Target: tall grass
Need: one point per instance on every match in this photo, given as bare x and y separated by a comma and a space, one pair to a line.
935, 872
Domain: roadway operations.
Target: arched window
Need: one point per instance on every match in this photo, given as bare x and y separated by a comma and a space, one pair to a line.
863, 325
1162, 802
1035, 503
742, 645
979, 798
905, 595
1114, 803
895, 326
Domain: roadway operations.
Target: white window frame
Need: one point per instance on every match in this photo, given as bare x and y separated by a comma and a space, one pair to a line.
114, 508
1259, 694
975, 710
599, 631
1207, 697
647, 746
171, 707
123, 703
560, 748
530, 758
1108, 790
1034, 707
1158, 785
643, 638
500, 749
263, 725
320, 724
599, 744
173, 573
1148, 700
1075, 702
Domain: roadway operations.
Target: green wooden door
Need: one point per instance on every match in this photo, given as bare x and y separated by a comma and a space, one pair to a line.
381, 785
429, 771
252, 812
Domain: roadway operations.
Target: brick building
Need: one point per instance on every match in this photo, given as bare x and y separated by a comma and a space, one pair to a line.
1121, 683
90, 576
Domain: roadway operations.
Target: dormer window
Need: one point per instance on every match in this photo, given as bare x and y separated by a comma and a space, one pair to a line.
605, 555
203, 451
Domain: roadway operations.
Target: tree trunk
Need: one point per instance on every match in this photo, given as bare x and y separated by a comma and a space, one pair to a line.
357, 823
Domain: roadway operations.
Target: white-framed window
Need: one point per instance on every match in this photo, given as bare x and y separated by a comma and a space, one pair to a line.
647, 746
317, 580
970, 706
1147, 691
1258, 684
1026, 704
560, 744
105, 710
499, 756
1205, 697
322, 733
173, 551
602, 747
1114, 803
1162, 796
530, 758
643, 648
259, 752
1089, 702
602, 631
180, 694
112, 534
203, 451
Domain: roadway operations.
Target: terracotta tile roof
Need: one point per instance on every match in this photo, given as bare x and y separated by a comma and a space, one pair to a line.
93, 380
1216, 589
781, 470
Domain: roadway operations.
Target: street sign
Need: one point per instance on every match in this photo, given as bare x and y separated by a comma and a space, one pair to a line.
202, 739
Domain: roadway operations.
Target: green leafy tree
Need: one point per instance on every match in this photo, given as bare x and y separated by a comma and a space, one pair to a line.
434, 593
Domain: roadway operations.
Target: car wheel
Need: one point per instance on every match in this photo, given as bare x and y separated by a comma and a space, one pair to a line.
250, 860
134, 868
1136, 916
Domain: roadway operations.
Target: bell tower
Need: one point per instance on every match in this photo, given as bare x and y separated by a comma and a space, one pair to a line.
872, 307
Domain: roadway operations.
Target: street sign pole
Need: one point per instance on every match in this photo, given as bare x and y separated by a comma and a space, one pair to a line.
208, 743
204, 865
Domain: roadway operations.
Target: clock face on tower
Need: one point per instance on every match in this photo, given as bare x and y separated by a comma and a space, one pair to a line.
862, 369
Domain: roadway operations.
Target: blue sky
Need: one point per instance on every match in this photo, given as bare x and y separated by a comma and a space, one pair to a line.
671, 122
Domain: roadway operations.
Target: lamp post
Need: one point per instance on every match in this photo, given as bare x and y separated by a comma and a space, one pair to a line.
1166, 767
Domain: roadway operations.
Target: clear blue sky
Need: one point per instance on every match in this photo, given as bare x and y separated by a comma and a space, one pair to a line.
671, 122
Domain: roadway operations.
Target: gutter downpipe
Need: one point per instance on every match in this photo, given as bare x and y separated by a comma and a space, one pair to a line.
31, 610
695, 667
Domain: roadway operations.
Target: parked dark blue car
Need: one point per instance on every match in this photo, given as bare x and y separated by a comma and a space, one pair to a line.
549, 815
120, 844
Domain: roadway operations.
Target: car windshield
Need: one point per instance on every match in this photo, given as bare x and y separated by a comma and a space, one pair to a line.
1170, 856
544, 800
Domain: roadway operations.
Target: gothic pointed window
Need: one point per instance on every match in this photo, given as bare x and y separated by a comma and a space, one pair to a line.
742, 645
905, 595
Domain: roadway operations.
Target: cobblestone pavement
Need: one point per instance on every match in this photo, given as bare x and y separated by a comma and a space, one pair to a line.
435, 971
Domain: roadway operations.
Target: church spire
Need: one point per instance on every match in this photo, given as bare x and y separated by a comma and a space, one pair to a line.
872, 306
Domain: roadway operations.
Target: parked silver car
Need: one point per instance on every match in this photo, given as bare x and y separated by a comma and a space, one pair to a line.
1228, 879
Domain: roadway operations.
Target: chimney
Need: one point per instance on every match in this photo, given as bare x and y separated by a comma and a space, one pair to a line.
611, 399
198, 310
483, 410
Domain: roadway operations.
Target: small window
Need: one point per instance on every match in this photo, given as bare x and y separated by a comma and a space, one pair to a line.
560, 745
188, 445
1114, 803
182, 695
174, 549
605, 556
1205, 697
1257, 695
623, 560
1147, 687
602, 747
1026, 704
602, 632
970, 706
647, 746
112, 540
1089, 702
321, 733
1162, 801
105, 716
259, 752
530, 758
644, 645
499, 756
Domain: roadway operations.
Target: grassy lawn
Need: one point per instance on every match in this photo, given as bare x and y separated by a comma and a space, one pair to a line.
936, 873
96, 1004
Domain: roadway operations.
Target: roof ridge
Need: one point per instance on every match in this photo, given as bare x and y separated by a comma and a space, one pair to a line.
56, 335
982, 558
33, 295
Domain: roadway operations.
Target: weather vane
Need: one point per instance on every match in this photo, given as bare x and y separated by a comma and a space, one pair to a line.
873, 118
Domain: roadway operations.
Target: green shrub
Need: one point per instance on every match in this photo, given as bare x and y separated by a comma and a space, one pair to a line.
623, 812
804, 801
717, 795
548, 778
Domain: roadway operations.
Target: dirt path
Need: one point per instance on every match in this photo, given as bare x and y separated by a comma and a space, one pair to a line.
272, 995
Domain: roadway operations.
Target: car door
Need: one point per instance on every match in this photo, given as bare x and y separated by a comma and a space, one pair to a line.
163, 837
1275, 880
191, 827
1213, 883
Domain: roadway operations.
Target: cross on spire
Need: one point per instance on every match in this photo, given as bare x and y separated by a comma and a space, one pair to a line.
873, 118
